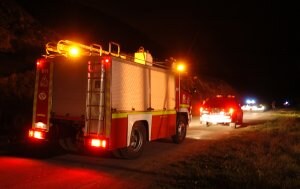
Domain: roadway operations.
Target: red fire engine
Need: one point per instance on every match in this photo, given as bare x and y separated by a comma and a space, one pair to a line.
86, 97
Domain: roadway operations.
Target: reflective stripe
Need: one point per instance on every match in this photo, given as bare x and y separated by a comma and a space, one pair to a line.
184, 106
124, 115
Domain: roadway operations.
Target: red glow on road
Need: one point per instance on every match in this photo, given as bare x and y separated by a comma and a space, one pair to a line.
61, 172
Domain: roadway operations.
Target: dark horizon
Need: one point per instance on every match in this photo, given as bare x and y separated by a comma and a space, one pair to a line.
244, 44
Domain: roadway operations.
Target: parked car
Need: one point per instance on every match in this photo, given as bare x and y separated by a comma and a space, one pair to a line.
221, 110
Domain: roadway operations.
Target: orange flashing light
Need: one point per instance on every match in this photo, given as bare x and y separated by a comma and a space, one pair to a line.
231, 110
180, 67
74, 51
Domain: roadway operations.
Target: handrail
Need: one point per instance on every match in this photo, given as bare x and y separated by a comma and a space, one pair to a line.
62, 47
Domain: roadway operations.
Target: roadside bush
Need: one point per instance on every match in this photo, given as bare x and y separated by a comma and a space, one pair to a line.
16, 92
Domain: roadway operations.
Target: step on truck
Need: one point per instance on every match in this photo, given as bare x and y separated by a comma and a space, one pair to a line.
89, 98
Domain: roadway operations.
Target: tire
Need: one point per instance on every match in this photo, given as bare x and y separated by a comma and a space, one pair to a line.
69, 138
181, 127
136, 144
233, 125
204, 123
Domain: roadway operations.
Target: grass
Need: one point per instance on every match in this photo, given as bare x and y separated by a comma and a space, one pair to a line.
265, 156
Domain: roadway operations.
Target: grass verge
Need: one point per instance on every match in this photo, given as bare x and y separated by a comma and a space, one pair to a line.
265, 156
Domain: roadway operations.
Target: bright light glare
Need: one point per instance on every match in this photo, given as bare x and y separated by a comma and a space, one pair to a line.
253, 108
30, 133
180, 67
74, 51
96, 142
104, 143
106, 60
250, 101
36, 134
40, 125
40, 62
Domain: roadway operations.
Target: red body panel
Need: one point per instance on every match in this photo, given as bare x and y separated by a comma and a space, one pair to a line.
41, 113
118, 136
163, 126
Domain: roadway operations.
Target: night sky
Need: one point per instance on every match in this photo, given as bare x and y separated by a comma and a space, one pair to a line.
244, 43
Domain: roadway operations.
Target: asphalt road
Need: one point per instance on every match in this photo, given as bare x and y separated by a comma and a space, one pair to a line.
50, 168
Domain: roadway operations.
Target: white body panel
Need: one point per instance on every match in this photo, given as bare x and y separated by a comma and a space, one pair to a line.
133, 84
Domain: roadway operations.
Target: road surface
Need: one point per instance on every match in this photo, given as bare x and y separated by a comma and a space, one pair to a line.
57, 169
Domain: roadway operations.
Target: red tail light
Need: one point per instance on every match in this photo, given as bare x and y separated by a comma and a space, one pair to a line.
99, 143
37, 134
40, 62
106, 59
231, 110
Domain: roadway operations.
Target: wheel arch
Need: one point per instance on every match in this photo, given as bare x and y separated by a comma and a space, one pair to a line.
184, 111
139, 119
184, 114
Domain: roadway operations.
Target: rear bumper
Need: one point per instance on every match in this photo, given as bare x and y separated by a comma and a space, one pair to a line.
215, 118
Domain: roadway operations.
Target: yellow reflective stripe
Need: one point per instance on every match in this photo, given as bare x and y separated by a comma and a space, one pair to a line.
164, 112
184, 106
119, 115
125, 115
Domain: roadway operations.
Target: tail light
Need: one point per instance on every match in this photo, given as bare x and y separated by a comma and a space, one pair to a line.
204, 110
201, 109
37, 134
106, 59
40, 63
231, 110
98, 143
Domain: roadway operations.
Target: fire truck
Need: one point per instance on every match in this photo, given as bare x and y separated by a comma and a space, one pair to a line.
89, 98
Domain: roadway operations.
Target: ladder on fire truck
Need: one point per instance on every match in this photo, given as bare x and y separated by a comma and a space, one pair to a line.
96, 77
95, 97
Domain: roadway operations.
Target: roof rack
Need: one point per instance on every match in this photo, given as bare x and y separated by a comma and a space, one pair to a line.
63, 47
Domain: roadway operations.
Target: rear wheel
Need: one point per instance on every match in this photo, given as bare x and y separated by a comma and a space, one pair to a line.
68, 137
233, 125
181, 127
137, 143
204, 123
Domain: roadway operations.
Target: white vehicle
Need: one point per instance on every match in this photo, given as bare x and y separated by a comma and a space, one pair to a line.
253, 107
